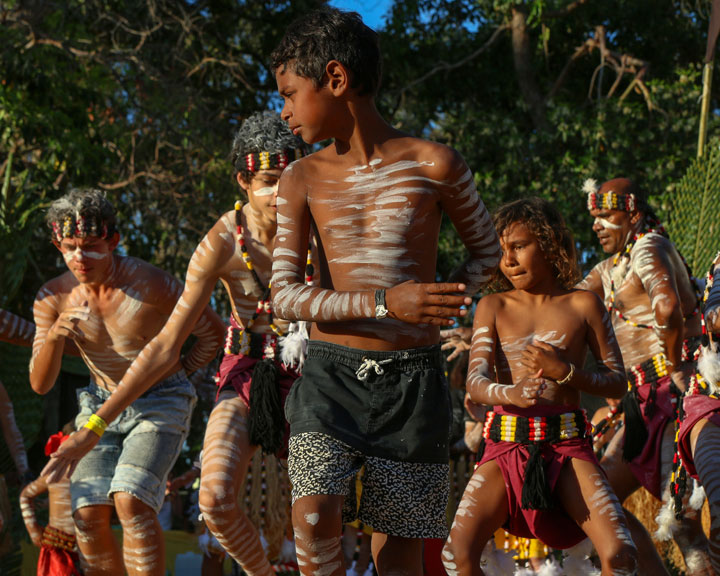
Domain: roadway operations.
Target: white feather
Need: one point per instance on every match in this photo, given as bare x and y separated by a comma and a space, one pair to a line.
709, 367
667, 524
590, 185
576, 560
697, 499
293, 345
496, 562
550, 568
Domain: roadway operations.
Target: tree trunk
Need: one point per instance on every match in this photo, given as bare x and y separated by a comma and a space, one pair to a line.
522, 57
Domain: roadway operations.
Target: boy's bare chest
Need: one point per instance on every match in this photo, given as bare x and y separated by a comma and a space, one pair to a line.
122, 321
375, 217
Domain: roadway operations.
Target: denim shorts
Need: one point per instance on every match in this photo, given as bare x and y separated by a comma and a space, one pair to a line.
138, 448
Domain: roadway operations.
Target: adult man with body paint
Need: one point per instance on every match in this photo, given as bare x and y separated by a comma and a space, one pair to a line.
653, 303
111, 306
372, 391
238, 252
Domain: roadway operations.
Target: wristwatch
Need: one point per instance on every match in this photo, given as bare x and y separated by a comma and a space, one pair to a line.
380, 310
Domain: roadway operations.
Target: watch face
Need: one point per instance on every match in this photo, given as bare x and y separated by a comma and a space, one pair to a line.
380, 311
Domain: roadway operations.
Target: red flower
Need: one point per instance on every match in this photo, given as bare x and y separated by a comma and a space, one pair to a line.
54, 442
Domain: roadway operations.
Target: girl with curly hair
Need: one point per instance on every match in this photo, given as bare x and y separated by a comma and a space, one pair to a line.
538, 476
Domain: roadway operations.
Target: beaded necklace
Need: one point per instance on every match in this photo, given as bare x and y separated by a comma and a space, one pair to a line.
242, 337
626, 254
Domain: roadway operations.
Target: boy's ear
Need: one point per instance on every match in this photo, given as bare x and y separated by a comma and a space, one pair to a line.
244, 184
338, 77
114, 241
55, 243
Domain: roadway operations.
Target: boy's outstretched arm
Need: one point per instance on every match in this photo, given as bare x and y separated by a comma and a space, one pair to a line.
461, 201
480, 386
609, 379
410, 301
16, 330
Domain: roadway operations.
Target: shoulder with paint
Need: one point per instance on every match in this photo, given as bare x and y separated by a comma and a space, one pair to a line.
59, 286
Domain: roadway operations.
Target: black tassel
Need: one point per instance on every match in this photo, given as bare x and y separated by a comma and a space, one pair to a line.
266, 422
636, 433
649, 410
535, 492
480, 450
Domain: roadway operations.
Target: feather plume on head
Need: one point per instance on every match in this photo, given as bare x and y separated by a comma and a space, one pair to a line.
590, 185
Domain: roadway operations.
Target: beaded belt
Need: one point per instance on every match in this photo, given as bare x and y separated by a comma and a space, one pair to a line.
649, 371
506, 428
239, 341
55, 538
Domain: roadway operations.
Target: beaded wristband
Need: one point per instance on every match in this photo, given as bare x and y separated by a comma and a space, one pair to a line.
96, 424
569, 376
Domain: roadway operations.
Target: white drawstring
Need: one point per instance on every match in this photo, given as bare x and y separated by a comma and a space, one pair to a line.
368, 364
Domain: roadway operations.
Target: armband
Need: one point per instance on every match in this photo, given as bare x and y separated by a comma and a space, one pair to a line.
96, 424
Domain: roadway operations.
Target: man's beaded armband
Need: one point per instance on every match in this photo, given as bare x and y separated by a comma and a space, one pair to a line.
96, 424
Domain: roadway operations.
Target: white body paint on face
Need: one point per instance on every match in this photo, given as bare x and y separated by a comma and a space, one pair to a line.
605, 223
69, 255
265, 191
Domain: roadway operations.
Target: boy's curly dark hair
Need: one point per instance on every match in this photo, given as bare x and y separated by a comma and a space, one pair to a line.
545, 222
89, 203
317, 37
262, 132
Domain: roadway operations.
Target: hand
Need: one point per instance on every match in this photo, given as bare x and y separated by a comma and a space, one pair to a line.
66, 324
457, 340
418, 303
544, 356
476, 411
64, 460
527, 392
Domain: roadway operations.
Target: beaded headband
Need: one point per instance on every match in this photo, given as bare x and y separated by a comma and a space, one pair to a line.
78, 226
268, 160
609, 200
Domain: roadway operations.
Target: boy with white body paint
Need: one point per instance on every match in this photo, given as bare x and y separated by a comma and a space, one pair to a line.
372, 391
653, 304
111, 306
236, 251
538, 476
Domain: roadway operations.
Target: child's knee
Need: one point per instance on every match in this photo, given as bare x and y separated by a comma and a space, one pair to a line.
215, 501
622, 559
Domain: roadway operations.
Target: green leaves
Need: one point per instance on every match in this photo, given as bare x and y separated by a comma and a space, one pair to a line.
693, 222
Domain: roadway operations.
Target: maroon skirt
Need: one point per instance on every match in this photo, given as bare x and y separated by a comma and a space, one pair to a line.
697, 407
553, 527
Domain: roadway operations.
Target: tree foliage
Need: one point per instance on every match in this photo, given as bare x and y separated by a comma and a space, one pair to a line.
539, 95
140, 98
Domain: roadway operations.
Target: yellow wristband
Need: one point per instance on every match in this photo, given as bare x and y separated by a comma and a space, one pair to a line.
96, 424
